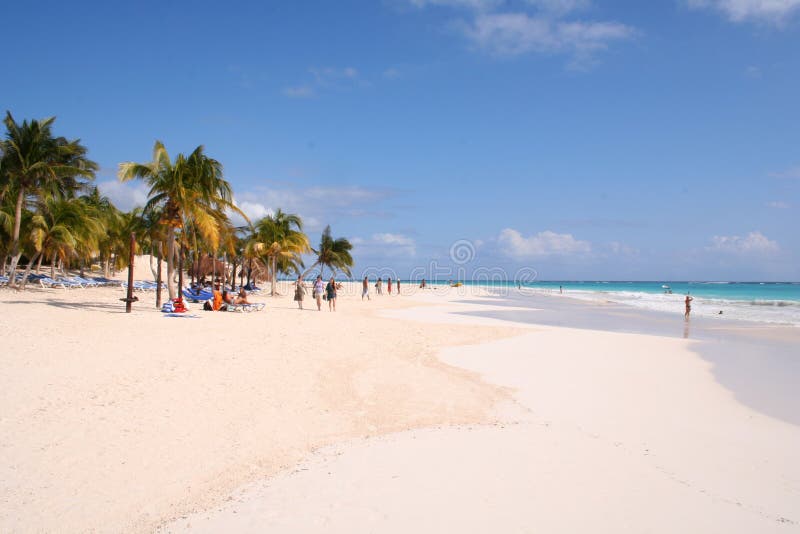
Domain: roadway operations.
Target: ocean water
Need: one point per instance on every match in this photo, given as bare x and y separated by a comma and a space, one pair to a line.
768, 302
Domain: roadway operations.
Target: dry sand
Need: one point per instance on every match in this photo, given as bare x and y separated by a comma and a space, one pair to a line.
113, 422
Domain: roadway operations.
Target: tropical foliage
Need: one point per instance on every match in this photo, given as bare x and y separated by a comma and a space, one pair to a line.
279, 239
51, 213
333, 253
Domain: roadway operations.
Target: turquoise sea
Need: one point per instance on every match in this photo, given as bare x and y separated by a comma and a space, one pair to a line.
771, 302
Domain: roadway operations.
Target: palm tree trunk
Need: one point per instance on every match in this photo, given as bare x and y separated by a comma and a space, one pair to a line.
273, 268
30, 266
53, 266
171, 262
39, 264
15, 252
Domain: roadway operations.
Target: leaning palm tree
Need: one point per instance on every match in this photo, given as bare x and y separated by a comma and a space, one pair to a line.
279, 238
333, 253
191, 188
37, 164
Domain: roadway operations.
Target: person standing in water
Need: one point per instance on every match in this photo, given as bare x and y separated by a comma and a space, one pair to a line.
688, 302
299, 292
365, 289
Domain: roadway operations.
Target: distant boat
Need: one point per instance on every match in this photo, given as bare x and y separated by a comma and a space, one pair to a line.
665, 286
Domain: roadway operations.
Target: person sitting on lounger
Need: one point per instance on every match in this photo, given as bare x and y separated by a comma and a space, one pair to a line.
241, 298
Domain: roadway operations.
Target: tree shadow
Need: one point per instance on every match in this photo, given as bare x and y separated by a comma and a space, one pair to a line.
69, 305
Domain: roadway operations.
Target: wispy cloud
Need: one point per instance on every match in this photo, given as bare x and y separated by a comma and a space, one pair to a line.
511, 34
317, 205
544, 244
778, 204
769, 11
753, 72
535, 27
479, 5
326, 78
752, 243
792, 173
300, 91
385, 245
560, 7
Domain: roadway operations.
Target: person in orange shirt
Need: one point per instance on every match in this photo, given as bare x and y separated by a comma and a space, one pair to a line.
216, 304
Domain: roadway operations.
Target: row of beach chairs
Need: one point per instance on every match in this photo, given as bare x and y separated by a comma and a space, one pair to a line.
63, 282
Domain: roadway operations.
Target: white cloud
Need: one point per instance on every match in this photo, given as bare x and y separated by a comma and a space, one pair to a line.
469, 4
124, 195
541, 245
317, 205
560, 7
752, 243
386, 244
510, 34
791, 174
300, 91
621, 249
773, 11
778, 204
391, 73
753, 72
323, 78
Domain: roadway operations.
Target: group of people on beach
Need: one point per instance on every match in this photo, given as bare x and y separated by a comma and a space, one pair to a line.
379, 287
320, 291
220, 300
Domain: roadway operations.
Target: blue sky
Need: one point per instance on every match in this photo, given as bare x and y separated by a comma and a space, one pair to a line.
581, 139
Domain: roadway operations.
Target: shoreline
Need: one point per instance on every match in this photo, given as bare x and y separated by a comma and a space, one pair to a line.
757, 362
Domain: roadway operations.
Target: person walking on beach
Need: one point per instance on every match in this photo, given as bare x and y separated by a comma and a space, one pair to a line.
398, 287
299, 292
319, 289
379, 286
389, 285
330, 291
688, 303
365, 289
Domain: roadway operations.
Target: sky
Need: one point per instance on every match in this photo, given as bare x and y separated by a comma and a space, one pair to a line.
543, 139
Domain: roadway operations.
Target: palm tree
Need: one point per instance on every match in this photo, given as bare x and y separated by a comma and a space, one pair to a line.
333, 253
60, 229
189, 189
36, 164
280, 238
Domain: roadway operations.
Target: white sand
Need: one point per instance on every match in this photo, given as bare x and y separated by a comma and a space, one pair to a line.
115, 422
621, 433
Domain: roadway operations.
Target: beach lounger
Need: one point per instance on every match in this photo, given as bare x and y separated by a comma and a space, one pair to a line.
49, 283
198, 296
